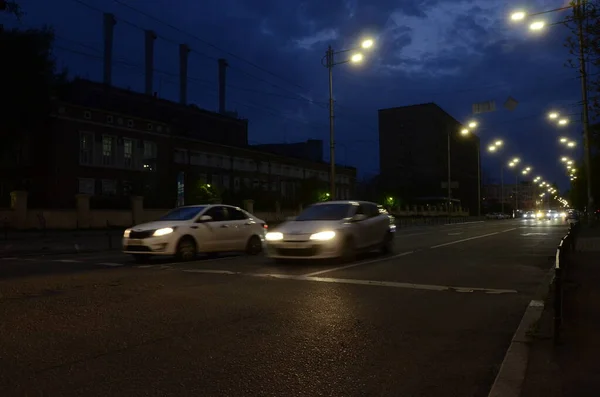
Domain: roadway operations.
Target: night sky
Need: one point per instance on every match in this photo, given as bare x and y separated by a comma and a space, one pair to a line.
452, 52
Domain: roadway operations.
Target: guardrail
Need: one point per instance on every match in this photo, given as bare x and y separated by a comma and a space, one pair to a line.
564, 250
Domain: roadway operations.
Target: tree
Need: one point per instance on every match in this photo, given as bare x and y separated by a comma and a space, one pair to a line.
11, 7
28, 82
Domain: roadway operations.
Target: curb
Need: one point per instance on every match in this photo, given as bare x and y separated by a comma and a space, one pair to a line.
510, 378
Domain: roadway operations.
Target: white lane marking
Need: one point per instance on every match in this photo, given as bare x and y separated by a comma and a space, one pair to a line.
470, 238
111, 264
462, 223
534, 234
357, 264
66, 260
392, 284
455, 234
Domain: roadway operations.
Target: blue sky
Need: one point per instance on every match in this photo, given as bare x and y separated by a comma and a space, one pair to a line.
452, 52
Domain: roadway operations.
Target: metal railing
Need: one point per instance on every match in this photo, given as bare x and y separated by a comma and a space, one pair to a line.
564, 250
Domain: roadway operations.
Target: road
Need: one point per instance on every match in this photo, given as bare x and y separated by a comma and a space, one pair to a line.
434, 319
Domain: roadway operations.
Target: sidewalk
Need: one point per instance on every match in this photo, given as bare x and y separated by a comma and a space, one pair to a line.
571, 368
59, 242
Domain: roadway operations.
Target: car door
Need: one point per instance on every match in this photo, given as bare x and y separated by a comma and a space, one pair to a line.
375, 224
244, 227
362, 228
217, 232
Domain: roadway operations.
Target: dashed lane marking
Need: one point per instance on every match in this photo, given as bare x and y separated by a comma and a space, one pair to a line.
357, 264
392, 284
470, 238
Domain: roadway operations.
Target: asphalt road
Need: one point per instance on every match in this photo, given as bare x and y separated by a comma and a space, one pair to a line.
434, 319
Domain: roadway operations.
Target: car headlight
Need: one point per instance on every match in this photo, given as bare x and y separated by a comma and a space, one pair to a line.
539, 214
274, 236
323, 236
163, 231
562, 215
126, 233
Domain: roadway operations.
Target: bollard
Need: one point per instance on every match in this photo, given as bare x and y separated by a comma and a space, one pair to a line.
557, 295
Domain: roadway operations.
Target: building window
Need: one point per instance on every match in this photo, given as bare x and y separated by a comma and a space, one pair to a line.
86, 186
107, 150
150, 155
109, 187
87, 115
127, 153
86, 142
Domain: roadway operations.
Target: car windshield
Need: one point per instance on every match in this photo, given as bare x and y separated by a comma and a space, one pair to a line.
182, 213
325, 212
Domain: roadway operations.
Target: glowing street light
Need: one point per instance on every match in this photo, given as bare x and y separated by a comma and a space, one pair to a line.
368, 43
518, 16
553, 115
571, 144
570, 162
563, 121
473, 124
564, 159
357, 58
563, 140
498, 143
464, 131
492, 148
537, 25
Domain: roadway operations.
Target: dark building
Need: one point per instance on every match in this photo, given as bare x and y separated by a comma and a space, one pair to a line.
311, 150
111, 143
413, 155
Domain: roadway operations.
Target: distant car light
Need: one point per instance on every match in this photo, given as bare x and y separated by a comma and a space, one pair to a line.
323, 236
162, 232
539, 214
274, 236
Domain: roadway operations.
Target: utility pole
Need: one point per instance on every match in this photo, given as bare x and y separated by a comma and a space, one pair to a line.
449, 175
579, 11
330, 64
502, 186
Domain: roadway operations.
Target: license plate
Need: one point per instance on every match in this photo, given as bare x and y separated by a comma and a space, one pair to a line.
134, 242
293, 246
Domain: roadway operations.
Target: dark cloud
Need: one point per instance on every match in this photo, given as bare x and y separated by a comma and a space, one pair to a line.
449, 51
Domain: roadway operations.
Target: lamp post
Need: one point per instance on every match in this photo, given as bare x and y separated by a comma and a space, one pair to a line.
329, 62
466, 131
512, 164
579, 8
493, 148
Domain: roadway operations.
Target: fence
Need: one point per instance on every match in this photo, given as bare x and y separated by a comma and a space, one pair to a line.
564, 250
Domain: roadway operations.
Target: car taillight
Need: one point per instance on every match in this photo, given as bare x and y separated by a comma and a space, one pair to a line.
265, 226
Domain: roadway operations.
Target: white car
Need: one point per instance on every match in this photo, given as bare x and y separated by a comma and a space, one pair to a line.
333, 229
186, 231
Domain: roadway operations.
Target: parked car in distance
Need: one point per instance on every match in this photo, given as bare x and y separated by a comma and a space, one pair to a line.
186, 231
333, 229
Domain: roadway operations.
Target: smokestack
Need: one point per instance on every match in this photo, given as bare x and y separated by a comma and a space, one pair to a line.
222, 80
183, 68
150, 36
109, 25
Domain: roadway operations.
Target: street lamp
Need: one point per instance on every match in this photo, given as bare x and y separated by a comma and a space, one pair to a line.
329, 62
553, 115
537, 25
563, 122
497, 145
465, 132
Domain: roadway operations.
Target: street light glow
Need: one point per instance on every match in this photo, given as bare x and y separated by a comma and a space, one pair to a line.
511, 164
492, 148
553, 115
528, 169
571, 144
563, 140
518, 16
472, 124
537, 25
464, 131
570, 162
564, 159
368, 43
357, 58
563, 121
516, 160
498, 143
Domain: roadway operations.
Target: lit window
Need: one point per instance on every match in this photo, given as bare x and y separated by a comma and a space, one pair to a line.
128, 152
107, 150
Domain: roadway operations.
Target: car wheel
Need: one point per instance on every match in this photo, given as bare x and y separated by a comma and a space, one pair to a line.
186, 249
254, 246
387, 247
141, 258
348, 251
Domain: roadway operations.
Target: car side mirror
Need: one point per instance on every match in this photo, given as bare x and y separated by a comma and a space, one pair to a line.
204, 218
358, 217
